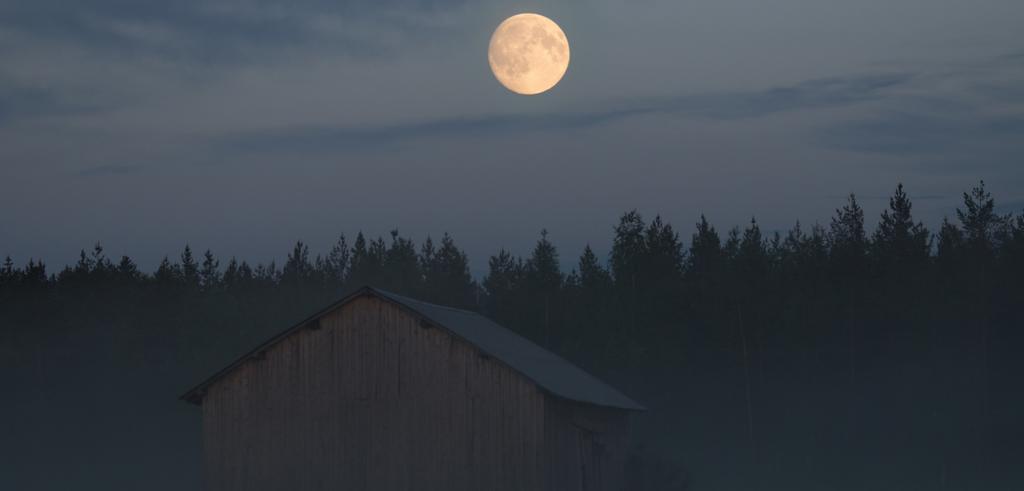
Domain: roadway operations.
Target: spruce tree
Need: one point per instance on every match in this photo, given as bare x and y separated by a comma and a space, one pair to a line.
592, 319
502, 286
336, 264
365, 263
899, 242
705, 259
848, 242
209, 274
401, 266
984, 230
167, 274
592, 275
189, 268
543, 284
752, 257
7, 272
297, 269
446, 278
628, 249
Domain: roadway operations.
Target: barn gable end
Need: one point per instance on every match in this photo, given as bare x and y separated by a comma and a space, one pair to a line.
378, 392
551, 372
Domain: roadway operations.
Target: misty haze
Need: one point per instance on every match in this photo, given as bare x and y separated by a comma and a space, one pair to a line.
544, 245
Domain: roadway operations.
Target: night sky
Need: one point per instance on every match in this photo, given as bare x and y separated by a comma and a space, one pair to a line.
242, 126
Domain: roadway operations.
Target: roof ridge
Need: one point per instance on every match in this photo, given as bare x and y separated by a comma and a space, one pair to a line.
561, 378
403, 297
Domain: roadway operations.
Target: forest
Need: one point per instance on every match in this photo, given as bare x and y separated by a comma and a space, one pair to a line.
827, 357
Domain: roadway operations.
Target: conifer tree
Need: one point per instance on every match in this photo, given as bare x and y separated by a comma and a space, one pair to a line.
446, 277
661, 289
628, 249
297, 269
34, 275
899, 242
664, 255
543, 284
543, 272
593, 328
7, 272
364, 263
401, 266
752, 256
209, 274
848, 242
502, 285
167, 274
592, 275
189, 268
128, 272
705, 257
231, 278
983, 229
950, 244
337, 263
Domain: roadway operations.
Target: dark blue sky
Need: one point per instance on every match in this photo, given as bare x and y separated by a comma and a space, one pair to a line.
241, 125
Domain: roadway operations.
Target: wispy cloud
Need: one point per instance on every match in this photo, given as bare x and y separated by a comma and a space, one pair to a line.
110, 170
19, 102
220, 31
975, 110
914, 133
811, 94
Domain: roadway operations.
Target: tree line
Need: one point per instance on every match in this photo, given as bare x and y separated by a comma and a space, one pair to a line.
925, 318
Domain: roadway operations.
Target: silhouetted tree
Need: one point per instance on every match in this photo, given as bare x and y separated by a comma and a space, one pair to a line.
401, 266
128, 272
755, 336
542, 284
898, 242
209, 273
446, 277
984, 230
167, 274
336, 264
189, 268
365, 263
629, 247
847, 240
591, 293
297, 269
502, 285
706, 258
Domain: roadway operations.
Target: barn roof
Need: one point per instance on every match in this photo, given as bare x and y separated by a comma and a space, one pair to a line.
549, 371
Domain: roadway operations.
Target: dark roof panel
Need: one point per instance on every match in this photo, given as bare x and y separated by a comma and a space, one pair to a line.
548, 370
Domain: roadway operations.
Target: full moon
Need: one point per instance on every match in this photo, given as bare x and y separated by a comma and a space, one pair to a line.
528, 54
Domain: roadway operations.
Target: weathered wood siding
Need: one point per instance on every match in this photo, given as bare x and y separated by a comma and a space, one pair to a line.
373, 400
585, 446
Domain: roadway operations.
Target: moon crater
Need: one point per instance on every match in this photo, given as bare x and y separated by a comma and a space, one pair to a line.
528, 53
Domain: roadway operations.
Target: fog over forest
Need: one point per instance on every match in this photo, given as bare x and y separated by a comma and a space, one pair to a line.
827, 357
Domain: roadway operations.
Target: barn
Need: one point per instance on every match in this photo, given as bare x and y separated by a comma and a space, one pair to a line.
382, 392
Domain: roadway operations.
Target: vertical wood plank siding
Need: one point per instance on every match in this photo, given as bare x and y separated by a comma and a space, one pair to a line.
585, 446
373, 400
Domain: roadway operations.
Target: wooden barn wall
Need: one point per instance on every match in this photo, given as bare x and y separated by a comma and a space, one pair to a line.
373, 401
586, 446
